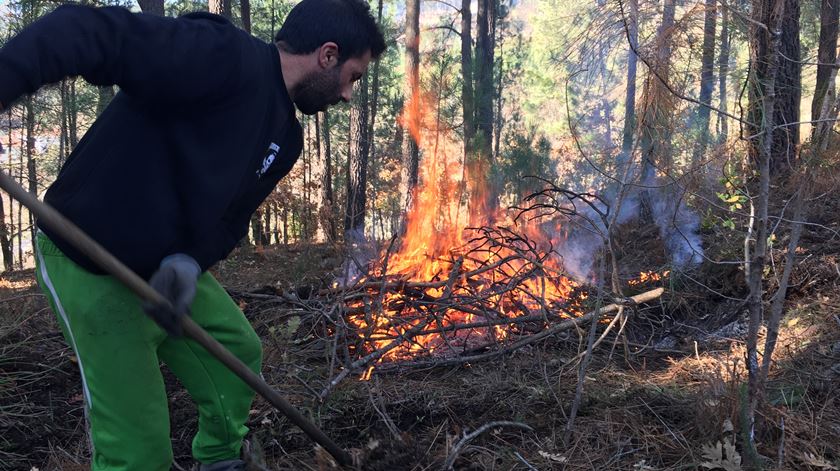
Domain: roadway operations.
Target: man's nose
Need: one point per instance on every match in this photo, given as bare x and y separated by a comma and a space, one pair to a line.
347, 94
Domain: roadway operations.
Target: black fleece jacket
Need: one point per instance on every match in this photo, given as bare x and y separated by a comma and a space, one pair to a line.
199, 134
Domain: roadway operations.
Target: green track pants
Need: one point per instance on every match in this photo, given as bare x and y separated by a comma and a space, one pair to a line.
119, 351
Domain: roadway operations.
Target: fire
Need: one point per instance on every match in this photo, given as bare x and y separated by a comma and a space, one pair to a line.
648, 277
448, 288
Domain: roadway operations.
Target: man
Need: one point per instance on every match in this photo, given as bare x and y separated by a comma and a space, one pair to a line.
167, 179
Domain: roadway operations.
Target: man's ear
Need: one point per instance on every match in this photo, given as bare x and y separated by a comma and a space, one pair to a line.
328, 55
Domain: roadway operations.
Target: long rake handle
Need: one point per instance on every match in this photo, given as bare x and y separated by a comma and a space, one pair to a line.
72, 234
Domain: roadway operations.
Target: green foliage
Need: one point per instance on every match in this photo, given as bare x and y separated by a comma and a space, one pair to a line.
527, 154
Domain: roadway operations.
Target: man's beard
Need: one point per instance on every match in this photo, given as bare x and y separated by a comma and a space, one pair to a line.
318, 90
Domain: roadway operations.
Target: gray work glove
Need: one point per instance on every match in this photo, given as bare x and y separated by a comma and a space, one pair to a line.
175, 279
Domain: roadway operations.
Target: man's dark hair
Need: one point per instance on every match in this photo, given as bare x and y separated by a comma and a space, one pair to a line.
348, 23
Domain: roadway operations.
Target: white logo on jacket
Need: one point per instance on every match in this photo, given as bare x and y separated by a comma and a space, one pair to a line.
269, 159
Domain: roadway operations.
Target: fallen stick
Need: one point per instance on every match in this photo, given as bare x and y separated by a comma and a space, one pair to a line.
563, 326
456, 450
475, 325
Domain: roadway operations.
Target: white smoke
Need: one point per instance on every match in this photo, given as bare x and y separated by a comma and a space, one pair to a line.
585, 233
679, 227
360, 252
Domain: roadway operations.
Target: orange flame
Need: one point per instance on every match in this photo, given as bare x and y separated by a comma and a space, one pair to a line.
438, 253
648, 277
439, 259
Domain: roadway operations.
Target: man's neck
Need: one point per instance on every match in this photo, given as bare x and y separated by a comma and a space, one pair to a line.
293, 67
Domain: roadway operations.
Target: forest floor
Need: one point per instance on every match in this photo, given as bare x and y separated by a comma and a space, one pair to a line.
667, 399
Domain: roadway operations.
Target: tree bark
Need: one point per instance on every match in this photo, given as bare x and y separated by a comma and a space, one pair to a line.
723, 72
256, 227
632, 16
245, 13
826, 55
5, 243
64, 136
73, 115
655, 127
655, 137
789, 91
787, 84
374, 109
354, 217
483, 199
153, 7
328, 202
4, 238
21, 177
498, 121
411, 93
766, 69
31, 174
707, 64
467, 95
266, 232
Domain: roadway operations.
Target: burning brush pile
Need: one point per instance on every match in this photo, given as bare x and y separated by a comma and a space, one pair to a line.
452, 291
434, 304
497, 286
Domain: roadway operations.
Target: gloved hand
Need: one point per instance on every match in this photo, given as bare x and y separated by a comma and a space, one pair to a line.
176, 280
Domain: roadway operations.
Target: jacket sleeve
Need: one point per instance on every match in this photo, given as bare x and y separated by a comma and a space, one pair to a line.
191, 58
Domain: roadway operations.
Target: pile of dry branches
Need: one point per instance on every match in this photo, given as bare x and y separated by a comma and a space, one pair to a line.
498, 293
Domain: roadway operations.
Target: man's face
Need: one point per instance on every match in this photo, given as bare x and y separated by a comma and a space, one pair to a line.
330, 84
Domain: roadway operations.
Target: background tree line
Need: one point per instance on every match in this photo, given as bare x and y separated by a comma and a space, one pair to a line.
717, 102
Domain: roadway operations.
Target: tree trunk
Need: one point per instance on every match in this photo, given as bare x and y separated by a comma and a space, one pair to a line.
498, 120
245, 13
655, 128
605, 115
483, 201
707, 64
266, 233
827, 54
655, 138
73, 115
632, 16
64, 136
328, 201
256, 227
4, 238
467, 95
275, 210
410, 147
374, 109
787, 84
766, 67
789, 91
354, 217
723, 72
20, 173
219, 7
307, 177
153, 7
5, 243
31, 175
